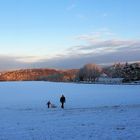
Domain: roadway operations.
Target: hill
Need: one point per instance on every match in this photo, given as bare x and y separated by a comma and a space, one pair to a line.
38, 74
129, 72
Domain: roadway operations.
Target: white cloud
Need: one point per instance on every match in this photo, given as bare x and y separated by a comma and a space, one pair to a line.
95, 37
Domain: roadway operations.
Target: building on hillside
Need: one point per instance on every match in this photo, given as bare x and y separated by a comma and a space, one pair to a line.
104, 78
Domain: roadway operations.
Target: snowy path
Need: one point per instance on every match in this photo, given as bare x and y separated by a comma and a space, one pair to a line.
99, 123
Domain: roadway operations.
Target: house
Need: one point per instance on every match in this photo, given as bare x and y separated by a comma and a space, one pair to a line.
104, 78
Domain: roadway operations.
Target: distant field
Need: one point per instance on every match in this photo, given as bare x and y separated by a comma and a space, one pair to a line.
36, 94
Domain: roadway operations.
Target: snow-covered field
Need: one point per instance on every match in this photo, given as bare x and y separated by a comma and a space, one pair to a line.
92, 112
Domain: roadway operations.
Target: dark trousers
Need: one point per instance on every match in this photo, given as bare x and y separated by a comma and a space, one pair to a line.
62, 105
49, 105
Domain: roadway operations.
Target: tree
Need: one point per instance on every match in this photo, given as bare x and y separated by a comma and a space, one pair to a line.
55, 77
89, 72
131, 72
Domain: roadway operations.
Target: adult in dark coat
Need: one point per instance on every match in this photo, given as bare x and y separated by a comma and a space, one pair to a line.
62, 100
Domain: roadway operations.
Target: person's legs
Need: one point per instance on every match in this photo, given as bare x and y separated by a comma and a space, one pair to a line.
48, 105
62, 105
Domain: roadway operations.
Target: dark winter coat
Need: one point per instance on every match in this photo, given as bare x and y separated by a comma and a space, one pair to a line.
62, 99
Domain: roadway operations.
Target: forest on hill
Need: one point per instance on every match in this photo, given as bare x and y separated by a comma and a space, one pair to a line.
89, 73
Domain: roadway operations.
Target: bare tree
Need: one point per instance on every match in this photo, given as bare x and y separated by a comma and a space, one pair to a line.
89, 72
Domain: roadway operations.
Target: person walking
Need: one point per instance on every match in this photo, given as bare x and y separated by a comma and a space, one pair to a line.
62, 100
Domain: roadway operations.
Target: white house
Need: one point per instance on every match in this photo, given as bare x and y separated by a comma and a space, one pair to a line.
104, 78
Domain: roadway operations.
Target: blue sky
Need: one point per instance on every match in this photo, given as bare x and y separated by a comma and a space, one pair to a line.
68, 33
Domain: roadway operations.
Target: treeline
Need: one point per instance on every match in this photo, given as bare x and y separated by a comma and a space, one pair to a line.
89, 72
129, 72
92, 72
38, 75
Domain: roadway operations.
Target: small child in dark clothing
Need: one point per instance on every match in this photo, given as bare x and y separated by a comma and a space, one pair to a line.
48, 104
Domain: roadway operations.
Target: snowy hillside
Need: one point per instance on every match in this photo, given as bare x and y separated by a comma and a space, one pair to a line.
92, 112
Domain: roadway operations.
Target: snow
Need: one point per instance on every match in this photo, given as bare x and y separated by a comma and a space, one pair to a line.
99, 112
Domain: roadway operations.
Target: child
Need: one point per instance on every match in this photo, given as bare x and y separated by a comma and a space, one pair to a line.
49, 104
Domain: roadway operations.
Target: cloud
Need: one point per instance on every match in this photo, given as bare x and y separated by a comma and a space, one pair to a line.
77, 61
98, 49
103, 42
102, 52
113, 44
76, 56
93, 37
11, 62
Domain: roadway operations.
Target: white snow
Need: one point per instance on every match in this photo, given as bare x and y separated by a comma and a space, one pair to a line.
92, 112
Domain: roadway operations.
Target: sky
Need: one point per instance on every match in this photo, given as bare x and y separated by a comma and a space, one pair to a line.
68, 33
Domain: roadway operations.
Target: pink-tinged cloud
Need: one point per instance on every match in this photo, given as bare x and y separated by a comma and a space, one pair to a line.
100, 52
